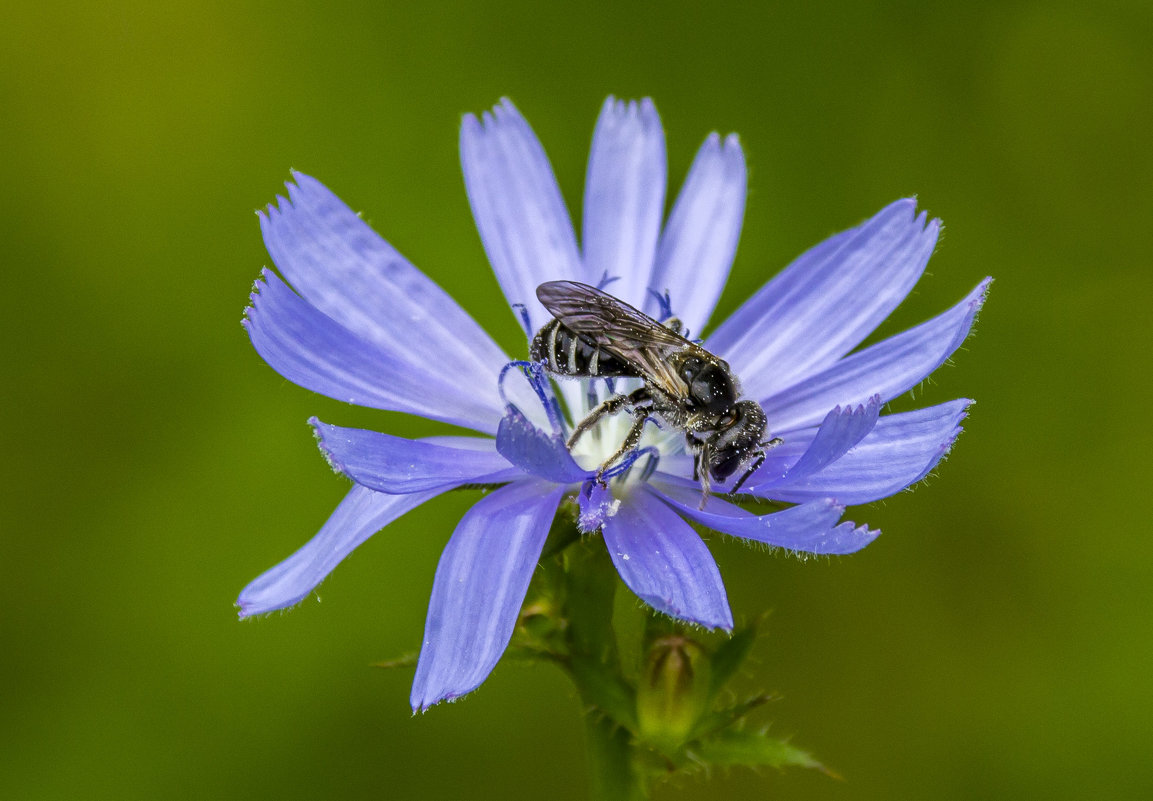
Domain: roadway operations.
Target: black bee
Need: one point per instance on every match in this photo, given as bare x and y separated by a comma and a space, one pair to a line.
690, 389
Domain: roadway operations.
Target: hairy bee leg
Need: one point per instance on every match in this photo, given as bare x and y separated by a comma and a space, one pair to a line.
695, 445
701, 466
592, 403
760, 460
608, 406
641, 416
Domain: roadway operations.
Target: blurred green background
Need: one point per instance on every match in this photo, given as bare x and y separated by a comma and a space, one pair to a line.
996, 642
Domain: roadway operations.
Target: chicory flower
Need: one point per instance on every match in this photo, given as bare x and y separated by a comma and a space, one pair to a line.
349, 317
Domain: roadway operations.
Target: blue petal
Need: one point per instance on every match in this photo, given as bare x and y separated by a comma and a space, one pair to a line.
697, 248
348, 272
361, 514
664, 561
888, 368
480, 585
841, 430
397, 466
827, 301
536, 452
899, 452
518, 208
624, 197
314, 351
811, 527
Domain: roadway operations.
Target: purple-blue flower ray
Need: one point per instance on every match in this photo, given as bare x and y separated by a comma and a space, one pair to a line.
700, 239
827, 301
311, 349
361, 514
900, 451
840, 431
342, 267
811, 527
519, 211
887, 368
480, 584
397, 466
664, 562
624, 197
536, 452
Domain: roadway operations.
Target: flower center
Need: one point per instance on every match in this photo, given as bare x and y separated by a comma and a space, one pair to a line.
603, 441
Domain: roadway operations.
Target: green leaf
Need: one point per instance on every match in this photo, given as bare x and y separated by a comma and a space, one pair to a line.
754, 750
723, 718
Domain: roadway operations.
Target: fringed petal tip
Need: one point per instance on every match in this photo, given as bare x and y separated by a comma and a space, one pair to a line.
321, 432
982, 294
621, 109
945, 447
422, 705
844, 539
268, 593
251, 609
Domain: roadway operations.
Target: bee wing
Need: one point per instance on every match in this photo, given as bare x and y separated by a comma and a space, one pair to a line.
605, 320
617, 327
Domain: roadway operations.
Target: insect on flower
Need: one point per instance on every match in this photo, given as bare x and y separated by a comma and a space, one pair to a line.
595, 335
346, 315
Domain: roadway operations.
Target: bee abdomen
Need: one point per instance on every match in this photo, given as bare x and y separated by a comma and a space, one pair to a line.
565, 352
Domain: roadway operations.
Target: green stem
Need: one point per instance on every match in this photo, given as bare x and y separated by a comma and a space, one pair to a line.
594, 664
615, 777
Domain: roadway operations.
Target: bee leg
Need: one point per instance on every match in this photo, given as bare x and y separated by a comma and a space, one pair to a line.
701, 472
695, 445
609, 406
760, 460
705, 489
641, 416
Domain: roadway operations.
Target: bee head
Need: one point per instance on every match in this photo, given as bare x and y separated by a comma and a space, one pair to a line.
738, 441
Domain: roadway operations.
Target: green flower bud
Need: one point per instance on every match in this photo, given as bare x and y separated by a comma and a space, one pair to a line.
674, 691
